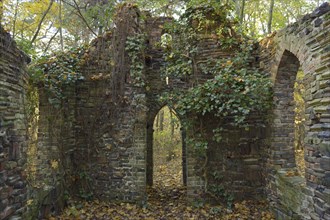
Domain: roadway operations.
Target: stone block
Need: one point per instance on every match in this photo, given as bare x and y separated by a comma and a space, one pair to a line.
325, 163
326, 216
6, 212
319, 210
325, 195
325, 180
15, 217
324, 8
324, 134
11, 165
3, 177
3, 203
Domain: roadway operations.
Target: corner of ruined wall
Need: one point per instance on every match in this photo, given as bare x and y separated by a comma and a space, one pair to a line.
13, 128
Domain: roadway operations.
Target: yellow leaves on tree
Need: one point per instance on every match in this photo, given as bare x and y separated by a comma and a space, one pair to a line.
22, 18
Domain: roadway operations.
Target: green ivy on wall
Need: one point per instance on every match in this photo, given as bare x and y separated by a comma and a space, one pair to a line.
233, 88
135, 46
57, 71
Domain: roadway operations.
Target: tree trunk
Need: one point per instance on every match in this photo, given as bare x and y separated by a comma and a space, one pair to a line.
237, 8
1, 11
253, 32
41, 21
83, 18
172, 124
61, 23
270, 16
157, 122
161, 120
15, 19
50, 41
241, 16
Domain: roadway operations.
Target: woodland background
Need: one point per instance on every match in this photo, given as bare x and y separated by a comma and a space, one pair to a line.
43, 26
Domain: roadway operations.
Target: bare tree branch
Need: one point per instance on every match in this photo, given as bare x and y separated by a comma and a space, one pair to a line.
1, 11
83, 18
50, 41
61, 24
241, 16
15, 19
270, 16
41, 21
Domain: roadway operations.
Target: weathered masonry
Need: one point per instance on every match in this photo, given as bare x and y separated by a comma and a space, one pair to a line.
306, 45
97, 142
13, 128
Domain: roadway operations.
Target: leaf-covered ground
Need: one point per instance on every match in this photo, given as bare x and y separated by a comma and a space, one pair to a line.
166, 200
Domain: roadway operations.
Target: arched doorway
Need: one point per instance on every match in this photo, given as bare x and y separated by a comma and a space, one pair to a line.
166, 150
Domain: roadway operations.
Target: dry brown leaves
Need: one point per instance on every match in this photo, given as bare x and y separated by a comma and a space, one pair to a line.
166, 200
170, 204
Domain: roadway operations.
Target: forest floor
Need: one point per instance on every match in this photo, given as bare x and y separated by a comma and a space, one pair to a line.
166, 200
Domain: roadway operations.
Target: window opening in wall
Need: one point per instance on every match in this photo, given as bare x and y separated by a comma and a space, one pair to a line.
166, 43
167, 149
288, 127
299, 130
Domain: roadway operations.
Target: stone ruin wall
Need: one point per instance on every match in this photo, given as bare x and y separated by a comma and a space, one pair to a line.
306, 45
105, 132
90, 135
111, 145
13, 127
54, 159
116, 112
103, 147
238, 159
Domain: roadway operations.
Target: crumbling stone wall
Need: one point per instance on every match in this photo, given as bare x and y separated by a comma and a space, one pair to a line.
111, 117
111, 114
92, 145
303, 44
237, 160
54, 164
13, 139
106, 124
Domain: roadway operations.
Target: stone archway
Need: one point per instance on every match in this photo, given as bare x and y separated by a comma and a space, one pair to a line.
302, 44
150, 148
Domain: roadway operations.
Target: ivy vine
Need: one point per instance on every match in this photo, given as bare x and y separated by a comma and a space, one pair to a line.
234, 88
54, 72
135, 46
231, 88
